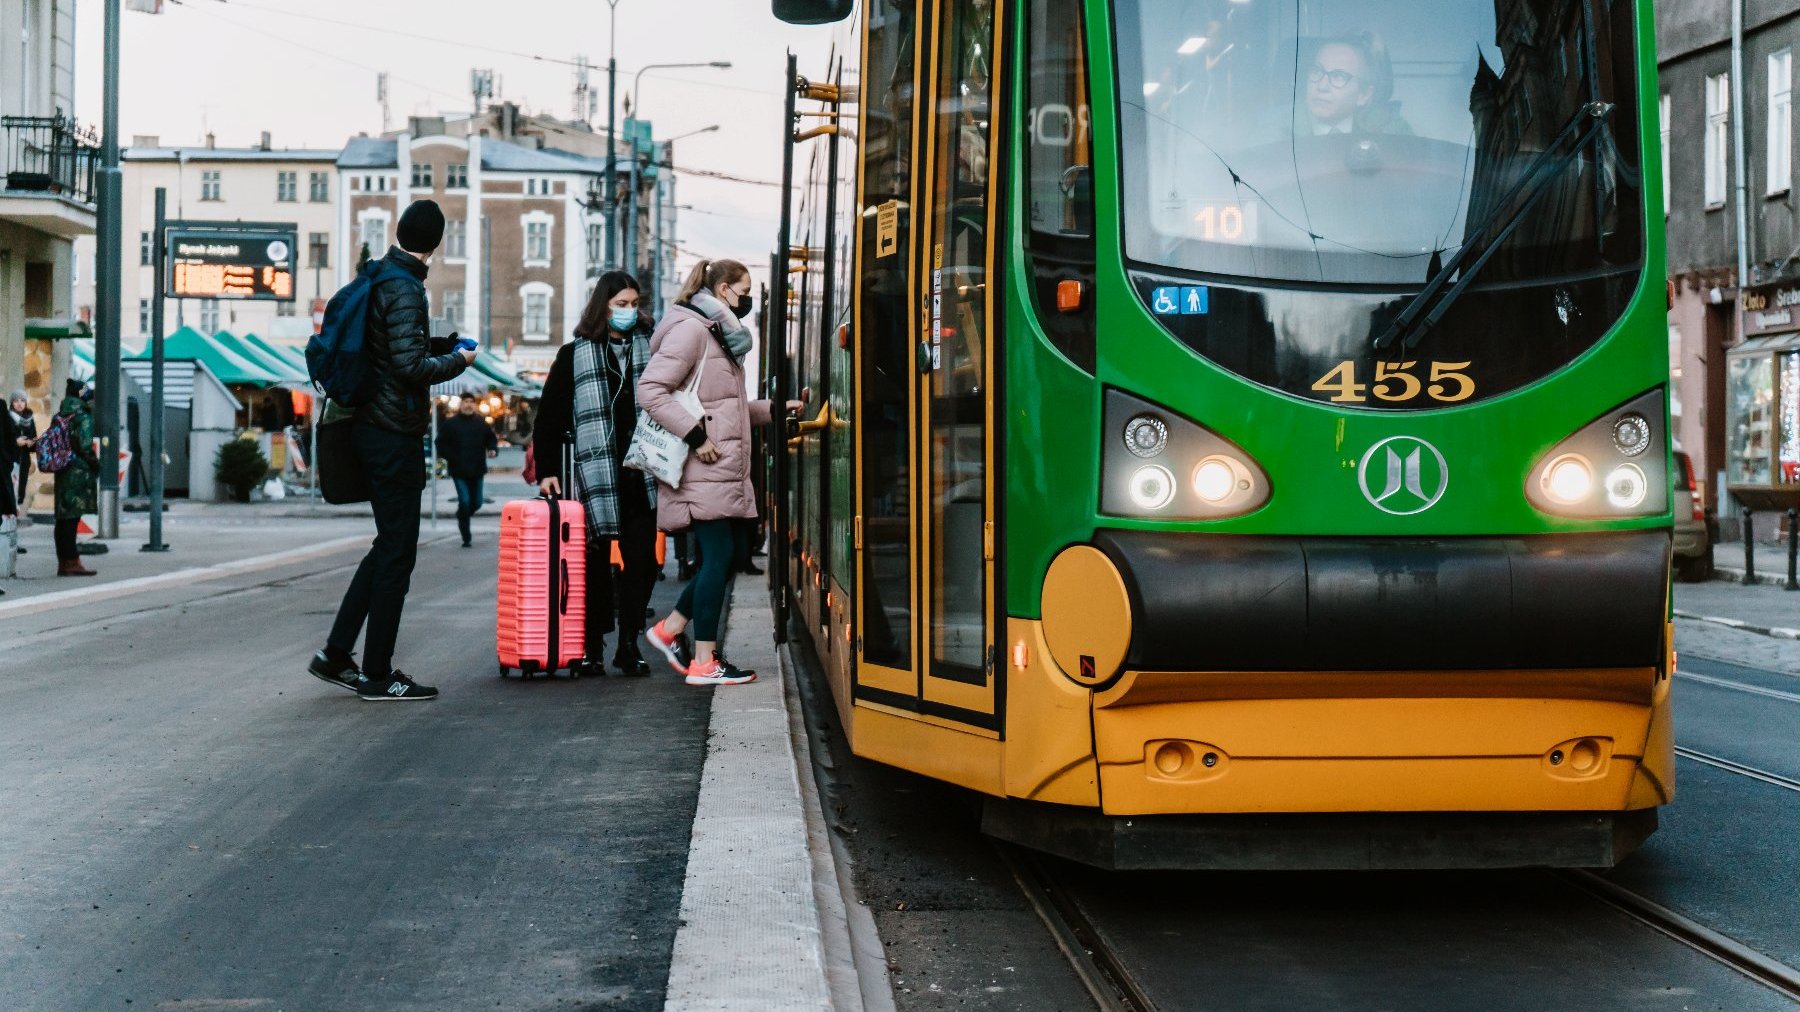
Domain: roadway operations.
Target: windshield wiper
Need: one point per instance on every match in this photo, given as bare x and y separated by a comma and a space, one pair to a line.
1423, 311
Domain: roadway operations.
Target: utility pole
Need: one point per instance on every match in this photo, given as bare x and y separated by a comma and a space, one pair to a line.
106, 288
612, 183
159, 258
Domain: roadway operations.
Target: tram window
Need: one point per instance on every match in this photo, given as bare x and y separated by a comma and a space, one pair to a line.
1060, 180
883, 420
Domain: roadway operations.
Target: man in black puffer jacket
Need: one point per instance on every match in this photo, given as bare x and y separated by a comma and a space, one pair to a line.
388, 431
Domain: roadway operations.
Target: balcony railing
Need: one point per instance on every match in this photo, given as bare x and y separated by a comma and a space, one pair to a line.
48, 155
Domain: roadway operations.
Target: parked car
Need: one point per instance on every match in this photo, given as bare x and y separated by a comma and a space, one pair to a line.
1693, 547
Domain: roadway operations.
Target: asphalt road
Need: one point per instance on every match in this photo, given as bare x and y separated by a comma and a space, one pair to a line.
192, 822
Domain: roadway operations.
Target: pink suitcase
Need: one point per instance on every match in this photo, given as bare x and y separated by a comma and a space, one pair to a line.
541, 622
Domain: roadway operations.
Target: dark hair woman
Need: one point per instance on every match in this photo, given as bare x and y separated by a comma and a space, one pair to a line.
590, 398
703, 328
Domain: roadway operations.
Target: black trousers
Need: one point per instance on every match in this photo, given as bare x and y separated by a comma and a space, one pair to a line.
627, 593
377, 593
65, 540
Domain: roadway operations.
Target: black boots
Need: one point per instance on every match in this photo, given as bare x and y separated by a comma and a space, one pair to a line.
627, 659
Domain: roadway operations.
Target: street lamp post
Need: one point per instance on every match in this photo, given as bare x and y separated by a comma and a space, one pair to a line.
637, 105
106, 293
612, 144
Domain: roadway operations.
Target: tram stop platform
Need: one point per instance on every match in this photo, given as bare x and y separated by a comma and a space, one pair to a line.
769, 918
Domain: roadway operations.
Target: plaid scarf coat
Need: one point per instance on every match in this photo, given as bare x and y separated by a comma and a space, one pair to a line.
596, 458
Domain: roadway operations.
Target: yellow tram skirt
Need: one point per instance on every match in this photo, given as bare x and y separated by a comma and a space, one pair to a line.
1379, 741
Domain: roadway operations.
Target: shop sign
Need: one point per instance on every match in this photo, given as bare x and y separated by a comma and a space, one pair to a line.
1771, 311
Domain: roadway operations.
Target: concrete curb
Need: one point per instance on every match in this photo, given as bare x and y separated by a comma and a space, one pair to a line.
1773, 632
180, 577
857, 962
750, 934
1735, 574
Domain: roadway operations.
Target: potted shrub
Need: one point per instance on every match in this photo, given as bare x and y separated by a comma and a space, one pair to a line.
240, 466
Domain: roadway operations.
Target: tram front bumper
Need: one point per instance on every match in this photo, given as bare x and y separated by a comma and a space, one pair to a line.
1381, 675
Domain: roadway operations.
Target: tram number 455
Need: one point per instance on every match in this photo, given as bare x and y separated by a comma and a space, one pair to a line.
1395, 382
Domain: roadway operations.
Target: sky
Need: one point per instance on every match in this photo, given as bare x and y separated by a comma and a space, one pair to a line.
305, 70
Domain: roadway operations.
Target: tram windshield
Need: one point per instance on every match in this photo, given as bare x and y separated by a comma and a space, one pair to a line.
1366, 142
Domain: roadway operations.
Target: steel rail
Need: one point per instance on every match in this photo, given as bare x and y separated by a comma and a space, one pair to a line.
1099, 968
1726, 683
1770, 973
1719, 762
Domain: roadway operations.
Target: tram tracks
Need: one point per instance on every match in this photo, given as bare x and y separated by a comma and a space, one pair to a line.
1770, 973
1099, 966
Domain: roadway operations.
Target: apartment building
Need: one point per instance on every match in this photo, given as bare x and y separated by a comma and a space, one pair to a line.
523, 235
208, 183
47, 166
1734, 342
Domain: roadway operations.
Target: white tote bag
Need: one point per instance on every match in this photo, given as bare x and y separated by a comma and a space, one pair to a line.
657, 451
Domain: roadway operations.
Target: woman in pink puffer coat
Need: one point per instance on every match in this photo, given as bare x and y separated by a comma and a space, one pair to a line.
702, 333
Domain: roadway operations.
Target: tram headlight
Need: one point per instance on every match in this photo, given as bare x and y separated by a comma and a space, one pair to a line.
1614, 466
1215, 479
1152, 487
1626, 487
1569, 480
1147, 446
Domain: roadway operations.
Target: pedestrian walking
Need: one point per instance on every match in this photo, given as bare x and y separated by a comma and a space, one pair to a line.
591, 396
77, 485
25, 437
388, 438
705, 327
465, 443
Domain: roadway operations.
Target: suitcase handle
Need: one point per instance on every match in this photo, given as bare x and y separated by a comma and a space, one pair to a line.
562, 599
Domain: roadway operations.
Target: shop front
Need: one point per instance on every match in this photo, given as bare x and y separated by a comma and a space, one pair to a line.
1762, 446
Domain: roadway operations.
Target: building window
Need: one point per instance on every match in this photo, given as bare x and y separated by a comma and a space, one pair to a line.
1665, 109
319, 190
374, 234
287, 186
143, 316
537, 313
456, 239
209, 316
1718, 122
421, 176
537, 242
596, 240
146, 250
453, 308
456, 176
1781, 128
318, 246
536, 187
209, 186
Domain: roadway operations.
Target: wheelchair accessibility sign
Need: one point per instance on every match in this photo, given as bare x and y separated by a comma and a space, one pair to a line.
1188, 300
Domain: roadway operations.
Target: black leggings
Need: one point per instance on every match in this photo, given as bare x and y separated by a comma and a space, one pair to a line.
703, 599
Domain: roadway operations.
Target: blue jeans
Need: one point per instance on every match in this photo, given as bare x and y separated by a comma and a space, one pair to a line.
468, 502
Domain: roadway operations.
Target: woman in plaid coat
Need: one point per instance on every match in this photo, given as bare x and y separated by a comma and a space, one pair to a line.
590, 399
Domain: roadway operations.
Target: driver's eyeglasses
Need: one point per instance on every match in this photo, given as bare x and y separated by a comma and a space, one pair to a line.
1338, 78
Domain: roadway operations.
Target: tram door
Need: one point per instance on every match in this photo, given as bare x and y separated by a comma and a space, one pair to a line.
924, 365
955, 363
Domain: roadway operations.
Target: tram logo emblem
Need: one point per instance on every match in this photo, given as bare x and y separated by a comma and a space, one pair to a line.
1403, 475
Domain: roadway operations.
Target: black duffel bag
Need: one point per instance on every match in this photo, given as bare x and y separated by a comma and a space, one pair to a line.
342, 476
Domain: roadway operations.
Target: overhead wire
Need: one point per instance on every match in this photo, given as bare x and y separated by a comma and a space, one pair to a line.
498, 50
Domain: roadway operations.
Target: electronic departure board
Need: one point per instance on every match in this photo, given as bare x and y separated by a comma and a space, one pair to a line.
231, 263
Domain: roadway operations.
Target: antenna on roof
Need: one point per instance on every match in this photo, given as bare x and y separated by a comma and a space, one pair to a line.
381, 95
584, 94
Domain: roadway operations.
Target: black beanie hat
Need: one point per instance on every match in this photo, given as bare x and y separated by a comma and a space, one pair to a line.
73, 387
421, 227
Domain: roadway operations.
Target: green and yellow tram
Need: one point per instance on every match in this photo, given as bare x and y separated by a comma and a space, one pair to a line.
1238, 431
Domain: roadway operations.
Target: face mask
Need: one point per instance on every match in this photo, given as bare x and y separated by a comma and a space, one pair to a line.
742, 309
623, 320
